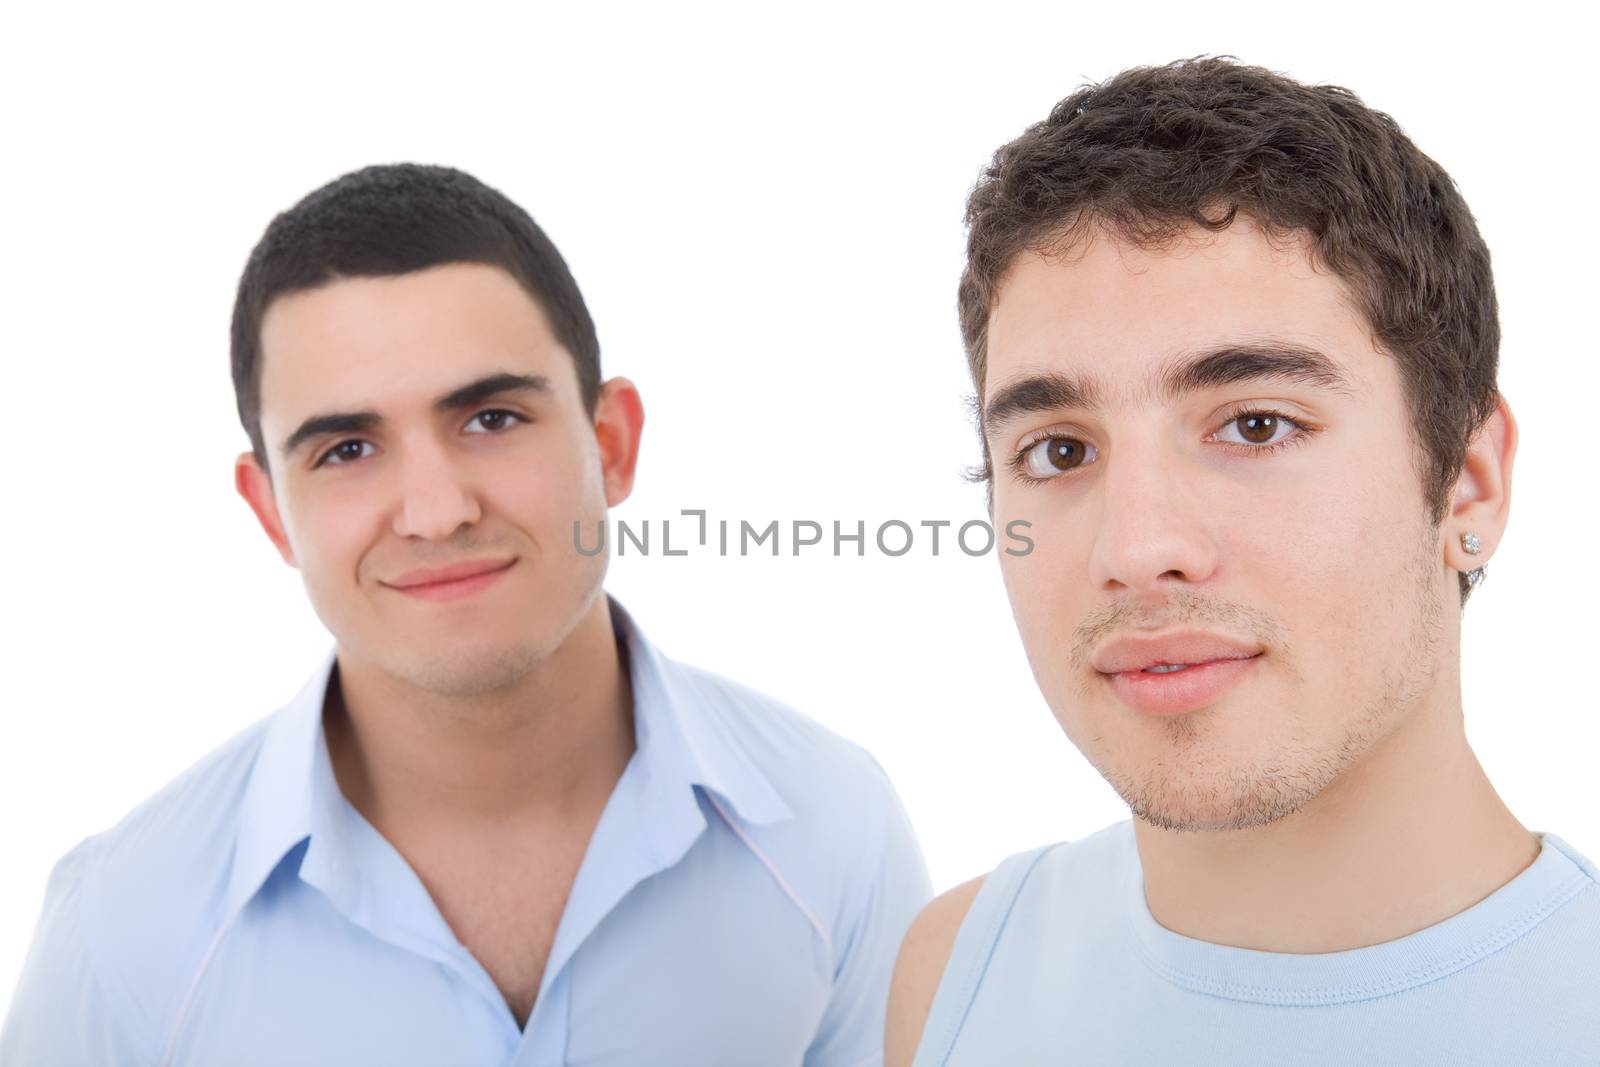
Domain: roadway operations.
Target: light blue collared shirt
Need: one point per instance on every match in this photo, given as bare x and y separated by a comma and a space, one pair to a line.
740, 903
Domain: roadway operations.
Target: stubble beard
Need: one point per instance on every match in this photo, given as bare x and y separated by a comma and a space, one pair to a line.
1170, 795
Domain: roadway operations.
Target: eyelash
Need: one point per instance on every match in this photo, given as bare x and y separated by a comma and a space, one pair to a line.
1303, 432
323, 460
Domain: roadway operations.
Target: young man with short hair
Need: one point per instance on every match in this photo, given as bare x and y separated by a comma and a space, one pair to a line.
497, 826
1234, 342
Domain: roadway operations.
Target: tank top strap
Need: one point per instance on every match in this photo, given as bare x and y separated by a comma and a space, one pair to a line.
969, 957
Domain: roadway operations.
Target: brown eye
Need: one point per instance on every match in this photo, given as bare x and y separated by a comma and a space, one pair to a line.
1260, 428
341, 453
1257, 429
496, 420
1056, 455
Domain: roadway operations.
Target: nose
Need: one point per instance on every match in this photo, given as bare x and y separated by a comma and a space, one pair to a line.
1155, 524
435, 500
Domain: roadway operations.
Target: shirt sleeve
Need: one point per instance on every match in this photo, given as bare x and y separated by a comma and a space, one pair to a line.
60, 1015
892, 888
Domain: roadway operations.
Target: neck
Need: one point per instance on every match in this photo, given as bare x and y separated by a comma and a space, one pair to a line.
1407, 837
553, 742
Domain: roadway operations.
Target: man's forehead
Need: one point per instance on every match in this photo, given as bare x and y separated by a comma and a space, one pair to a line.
1124, 315
401, 341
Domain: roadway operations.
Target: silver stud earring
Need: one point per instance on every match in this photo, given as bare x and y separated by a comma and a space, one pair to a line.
1471, 544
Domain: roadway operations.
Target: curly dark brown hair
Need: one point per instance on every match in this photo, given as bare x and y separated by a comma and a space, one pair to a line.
1155, 151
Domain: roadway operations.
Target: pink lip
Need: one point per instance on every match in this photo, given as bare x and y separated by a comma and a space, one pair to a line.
1213, 664
1135, 652
1194, 687
452, 583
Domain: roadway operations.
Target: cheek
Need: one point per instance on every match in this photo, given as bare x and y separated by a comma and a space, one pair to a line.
1048, 588
1051, 578
1321, 559
329, 529
558, 487
539, 494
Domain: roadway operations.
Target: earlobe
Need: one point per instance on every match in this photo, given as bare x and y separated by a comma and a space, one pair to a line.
255, 486
1481, 502
618, 424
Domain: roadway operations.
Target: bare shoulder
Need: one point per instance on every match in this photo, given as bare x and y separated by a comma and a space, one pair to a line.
923, 956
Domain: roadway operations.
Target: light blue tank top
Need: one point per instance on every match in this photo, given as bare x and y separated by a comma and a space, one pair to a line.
1059, 961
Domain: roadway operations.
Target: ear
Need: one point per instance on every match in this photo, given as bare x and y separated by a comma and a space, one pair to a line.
1482, 499
618, 422
255, 485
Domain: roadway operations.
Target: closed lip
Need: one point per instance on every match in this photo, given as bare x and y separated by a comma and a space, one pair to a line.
453, 573
1129, 653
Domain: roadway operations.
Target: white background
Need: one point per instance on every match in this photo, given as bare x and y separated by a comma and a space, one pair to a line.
764, 211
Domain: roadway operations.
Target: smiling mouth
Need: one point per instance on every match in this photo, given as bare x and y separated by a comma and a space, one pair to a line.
456, 588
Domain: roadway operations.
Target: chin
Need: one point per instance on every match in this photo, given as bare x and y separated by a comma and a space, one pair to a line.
472, 669
1244, 815
1237, 799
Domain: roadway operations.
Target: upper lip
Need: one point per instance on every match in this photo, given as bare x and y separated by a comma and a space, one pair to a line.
454, 572
1137, 653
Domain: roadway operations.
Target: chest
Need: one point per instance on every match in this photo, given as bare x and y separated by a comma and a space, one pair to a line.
707, 962
505, 905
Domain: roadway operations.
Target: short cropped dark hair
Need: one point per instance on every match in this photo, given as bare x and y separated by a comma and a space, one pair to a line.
1156, 150
394, 219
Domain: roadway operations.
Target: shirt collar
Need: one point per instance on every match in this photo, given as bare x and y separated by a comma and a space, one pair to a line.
282, 792
681, 724
686, 727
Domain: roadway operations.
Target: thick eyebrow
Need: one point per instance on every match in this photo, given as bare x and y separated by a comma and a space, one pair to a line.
493, 385
1037, 393
366, 421
1274, 361
1233, 364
